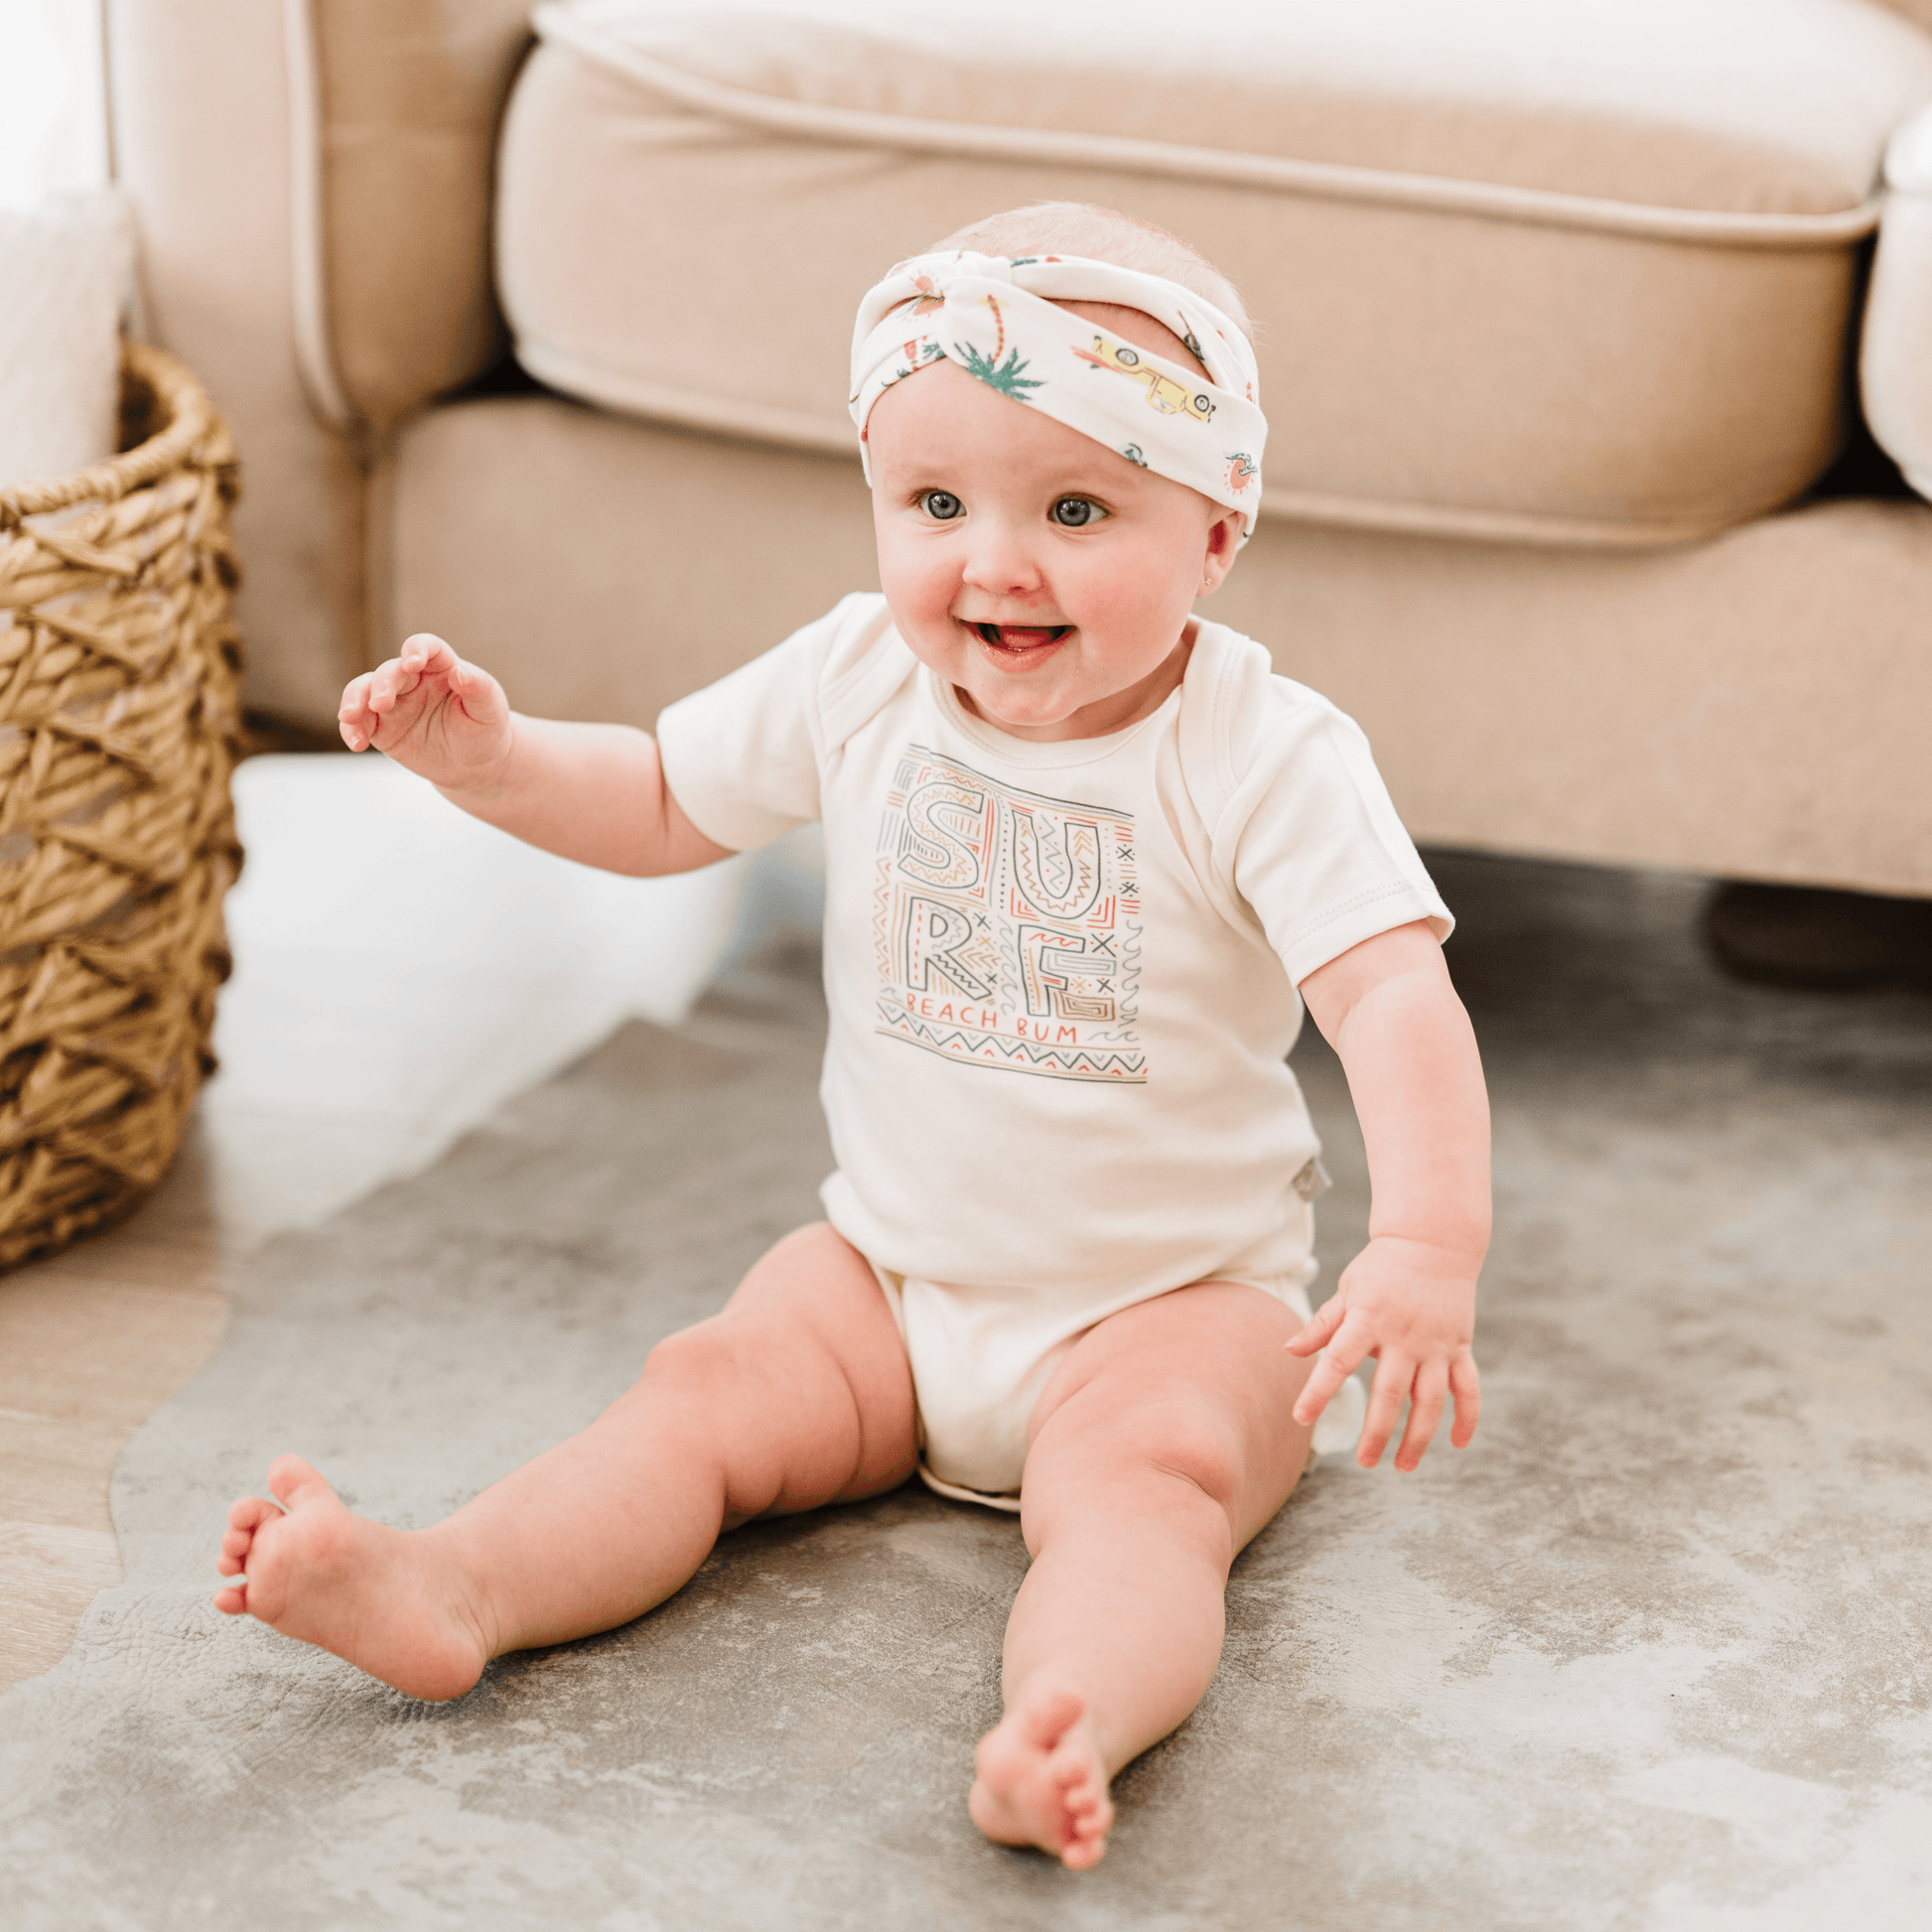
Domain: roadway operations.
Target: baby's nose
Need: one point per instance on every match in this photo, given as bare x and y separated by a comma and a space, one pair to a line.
1003, 565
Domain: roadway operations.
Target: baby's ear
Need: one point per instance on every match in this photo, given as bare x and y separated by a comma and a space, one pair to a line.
1224, 538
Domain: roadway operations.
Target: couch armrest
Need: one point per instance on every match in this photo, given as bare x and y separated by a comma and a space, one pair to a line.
1895, 364
310, 180
198, 92
394, 106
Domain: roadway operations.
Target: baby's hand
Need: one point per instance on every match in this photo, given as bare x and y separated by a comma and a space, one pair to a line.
445, 720
1412, 1305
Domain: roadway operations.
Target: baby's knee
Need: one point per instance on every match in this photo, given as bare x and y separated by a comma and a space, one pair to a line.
738, 1369
703, 1362
767, 1408
1180, 1455
1190, 1444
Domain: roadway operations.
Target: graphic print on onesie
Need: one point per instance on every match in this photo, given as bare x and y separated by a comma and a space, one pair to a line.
1007, 925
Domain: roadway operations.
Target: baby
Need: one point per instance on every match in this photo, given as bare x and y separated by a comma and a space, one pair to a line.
1086, 859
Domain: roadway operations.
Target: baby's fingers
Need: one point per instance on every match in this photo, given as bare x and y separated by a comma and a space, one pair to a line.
425, 654
1393, 1375
1314, 1333
391, 682
480, 696
1467, 1387
1426, 1401
353, 717
1344, 1355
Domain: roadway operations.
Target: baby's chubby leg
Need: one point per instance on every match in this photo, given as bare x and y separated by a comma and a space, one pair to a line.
1160, 1446
798, 1394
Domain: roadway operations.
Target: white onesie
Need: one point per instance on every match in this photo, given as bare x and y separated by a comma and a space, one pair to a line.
1062, 980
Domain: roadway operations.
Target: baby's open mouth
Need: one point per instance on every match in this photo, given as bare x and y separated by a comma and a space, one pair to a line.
1020, 637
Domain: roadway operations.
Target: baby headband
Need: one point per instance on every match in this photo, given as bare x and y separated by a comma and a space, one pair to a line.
995, 319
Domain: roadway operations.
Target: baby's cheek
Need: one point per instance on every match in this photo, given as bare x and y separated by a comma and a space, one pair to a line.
1116, 598
919, 584
920, 600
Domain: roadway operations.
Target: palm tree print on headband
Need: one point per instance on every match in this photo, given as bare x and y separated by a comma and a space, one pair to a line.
1003, 376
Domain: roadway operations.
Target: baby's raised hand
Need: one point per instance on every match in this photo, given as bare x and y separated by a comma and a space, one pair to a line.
1412, 1305
447, 721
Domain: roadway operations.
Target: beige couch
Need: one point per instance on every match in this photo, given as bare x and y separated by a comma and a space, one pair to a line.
1570, 501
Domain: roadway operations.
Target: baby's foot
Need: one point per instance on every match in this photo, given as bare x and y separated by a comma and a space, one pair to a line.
1041, 1779
391, 1603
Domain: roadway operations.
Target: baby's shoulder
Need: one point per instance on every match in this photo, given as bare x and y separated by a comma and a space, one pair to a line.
1242, 723
863, 663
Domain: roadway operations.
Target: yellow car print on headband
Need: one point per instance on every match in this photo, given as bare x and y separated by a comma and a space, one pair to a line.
1164, 393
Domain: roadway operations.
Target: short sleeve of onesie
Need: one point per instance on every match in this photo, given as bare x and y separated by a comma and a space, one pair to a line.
741, 757
743, 754
1318, 852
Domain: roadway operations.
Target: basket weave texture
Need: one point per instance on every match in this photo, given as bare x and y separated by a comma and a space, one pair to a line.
120, 723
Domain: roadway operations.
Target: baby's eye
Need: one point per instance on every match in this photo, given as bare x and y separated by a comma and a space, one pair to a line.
941, 505
1076, 512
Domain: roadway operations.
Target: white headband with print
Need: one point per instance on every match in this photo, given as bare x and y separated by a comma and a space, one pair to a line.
998, 320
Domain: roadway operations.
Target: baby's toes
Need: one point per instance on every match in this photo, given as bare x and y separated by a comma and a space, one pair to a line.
1071, 1773
231, 1599
1089, 1817
245, 1519
1083, 1849
294, 1483
250, 1513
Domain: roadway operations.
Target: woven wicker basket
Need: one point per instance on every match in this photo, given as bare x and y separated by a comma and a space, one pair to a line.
119, 693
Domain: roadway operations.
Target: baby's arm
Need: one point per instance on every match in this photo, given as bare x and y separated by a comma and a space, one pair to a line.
1409, 1298
595, 793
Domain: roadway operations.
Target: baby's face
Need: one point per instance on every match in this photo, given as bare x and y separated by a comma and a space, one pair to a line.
1045, 577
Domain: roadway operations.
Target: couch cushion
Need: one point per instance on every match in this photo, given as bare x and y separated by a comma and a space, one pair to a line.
1578, 273
1526, 700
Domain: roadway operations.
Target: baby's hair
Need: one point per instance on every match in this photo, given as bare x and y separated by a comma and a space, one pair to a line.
1103, 235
